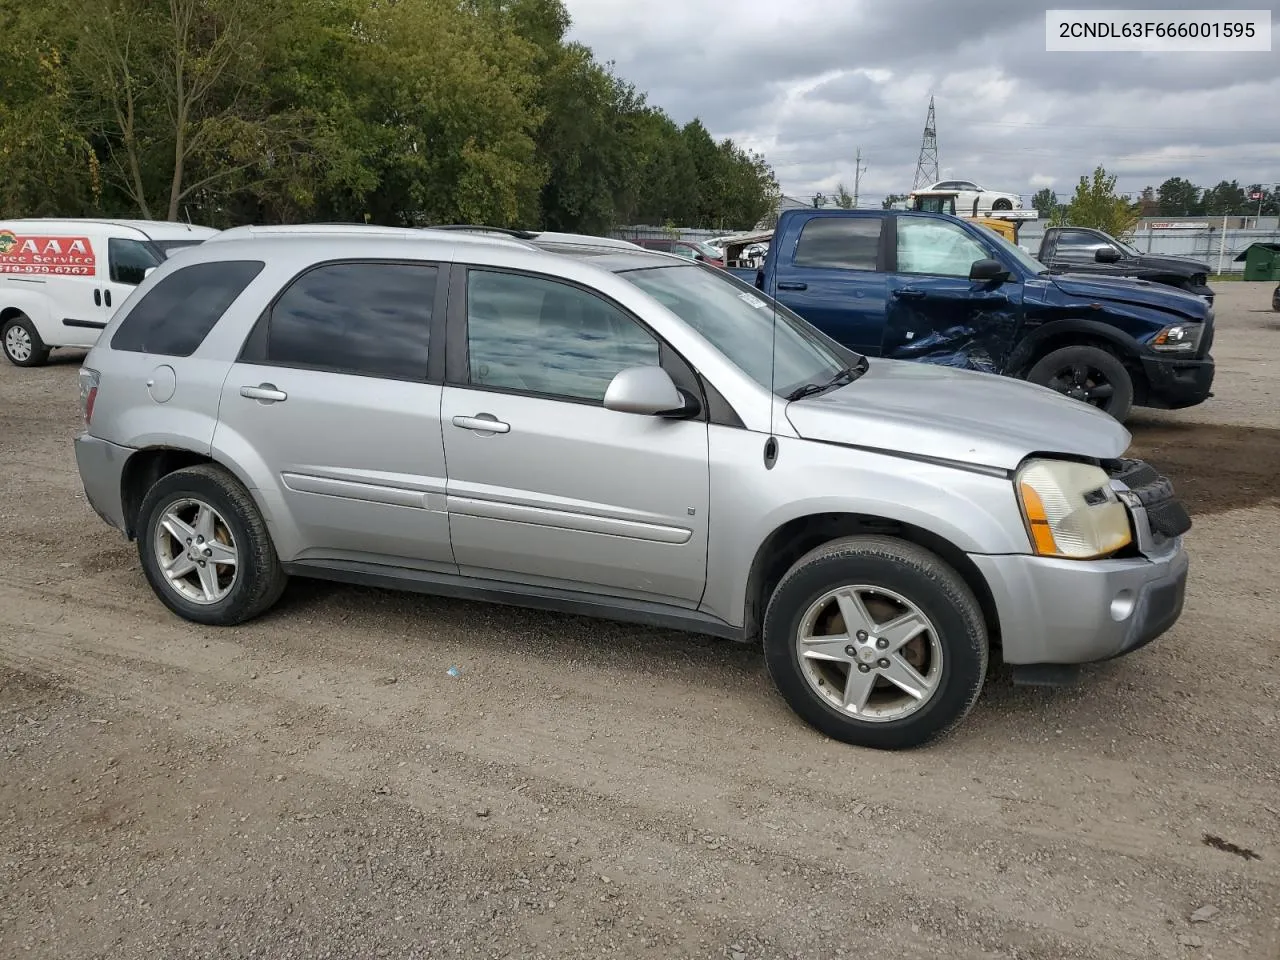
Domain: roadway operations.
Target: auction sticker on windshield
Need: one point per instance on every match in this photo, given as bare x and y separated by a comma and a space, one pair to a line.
46, 256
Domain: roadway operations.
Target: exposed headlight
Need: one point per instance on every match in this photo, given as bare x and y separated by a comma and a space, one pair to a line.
1178, 338
1071, 510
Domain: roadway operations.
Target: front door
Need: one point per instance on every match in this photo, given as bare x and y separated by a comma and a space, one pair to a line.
330, 398
833, 278
936, 313
546, 486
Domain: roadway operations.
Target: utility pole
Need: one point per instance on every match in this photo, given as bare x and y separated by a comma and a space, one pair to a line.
857, 177
927, 165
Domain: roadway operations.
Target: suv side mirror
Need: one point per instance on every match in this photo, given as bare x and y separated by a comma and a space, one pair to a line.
988, 270
1107, 255
147, 272
649, 391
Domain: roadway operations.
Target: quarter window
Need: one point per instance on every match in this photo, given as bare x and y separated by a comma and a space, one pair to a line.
367, 319
841, 243
542, 336
130, 260
175, 315
936, 247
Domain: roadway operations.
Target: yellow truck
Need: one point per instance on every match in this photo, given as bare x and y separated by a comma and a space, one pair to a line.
1007, 223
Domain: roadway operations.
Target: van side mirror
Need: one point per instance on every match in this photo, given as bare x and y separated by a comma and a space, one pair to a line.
988, 270
1107, 255
649, 391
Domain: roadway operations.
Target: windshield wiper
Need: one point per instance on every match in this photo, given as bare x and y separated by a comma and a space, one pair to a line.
841, 378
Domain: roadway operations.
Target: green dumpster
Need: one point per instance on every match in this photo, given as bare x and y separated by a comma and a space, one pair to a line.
1261, 261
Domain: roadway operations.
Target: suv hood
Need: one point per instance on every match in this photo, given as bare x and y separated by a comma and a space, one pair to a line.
1142, 293
925, 410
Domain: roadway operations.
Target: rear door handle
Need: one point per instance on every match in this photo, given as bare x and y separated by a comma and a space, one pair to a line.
793, 286
907, 293
482, 423
97, 298
266, 392
106, 296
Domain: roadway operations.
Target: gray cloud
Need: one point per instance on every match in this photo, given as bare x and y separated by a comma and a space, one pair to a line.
809, 82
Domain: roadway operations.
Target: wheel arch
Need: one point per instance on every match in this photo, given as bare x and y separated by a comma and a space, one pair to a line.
1078, 332
146, 466
797, 536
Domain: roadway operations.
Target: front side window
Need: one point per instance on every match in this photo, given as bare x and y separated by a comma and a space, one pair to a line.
365, 319
936, 247
175, 315
541, 336
840, 243
130, 260
742, 324
1077, 245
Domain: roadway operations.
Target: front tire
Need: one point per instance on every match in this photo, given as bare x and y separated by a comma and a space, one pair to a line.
1087, 373
205, 548
21, 342
876, 642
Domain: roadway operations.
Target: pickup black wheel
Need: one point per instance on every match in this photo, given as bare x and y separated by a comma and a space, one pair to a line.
876, 642
22, 343
205, 548
1087, 373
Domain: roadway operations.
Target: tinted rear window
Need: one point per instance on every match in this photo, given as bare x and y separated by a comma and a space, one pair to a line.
178, 312
366, 319
841, 243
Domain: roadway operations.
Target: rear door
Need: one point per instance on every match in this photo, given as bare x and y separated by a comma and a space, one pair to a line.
936, 313
833, 277
128, 260
331, 397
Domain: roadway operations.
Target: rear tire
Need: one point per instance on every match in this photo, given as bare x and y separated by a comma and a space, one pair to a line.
213, 590
1002, 204
902, 591
1090, 374
21, 342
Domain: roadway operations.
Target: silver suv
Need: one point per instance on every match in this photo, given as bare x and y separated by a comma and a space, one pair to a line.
622, 434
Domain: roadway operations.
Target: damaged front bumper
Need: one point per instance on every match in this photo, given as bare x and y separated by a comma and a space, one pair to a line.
1174, 383
1055, 612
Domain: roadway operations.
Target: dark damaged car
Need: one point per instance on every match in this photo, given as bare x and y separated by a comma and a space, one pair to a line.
938, 289
1086, 250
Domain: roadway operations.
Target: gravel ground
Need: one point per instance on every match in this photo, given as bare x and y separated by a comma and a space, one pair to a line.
317, 784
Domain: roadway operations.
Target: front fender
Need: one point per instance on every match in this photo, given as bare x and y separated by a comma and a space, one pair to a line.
976, 512
1035, 340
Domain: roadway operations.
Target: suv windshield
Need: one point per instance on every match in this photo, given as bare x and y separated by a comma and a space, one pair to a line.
738, 320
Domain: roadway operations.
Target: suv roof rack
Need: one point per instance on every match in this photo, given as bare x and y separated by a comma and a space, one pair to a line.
482, 228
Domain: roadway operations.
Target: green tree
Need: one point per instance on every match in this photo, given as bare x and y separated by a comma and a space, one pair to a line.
843, 198
892, 198
1179, 198
1096, 204
1226, 199
1046, 201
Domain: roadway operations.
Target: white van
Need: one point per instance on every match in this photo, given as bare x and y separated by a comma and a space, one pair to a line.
62, 279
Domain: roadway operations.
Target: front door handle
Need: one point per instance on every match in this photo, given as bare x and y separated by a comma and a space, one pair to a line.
266, 392
908, 293
793, 286
482, 423
106, 296
97, 298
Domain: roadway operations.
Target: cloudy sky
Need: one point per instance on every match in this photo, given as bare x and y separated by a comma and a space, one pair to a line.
809, 82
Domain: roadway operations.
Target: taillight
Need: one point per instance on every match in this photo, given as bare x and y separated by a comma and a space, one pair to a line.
88, 394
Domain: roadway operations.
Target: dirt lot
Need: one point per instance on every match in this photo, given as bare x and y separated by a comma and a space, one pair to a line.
317, 784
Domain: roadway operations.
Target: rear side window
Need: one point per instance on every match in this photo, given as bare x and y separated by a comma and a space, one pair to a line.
367, 319
840, 243
130, 260
178, 312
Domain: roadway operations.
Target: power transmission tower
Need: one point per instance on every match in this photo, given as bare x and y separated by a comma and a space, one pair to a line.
927, 165
858, 170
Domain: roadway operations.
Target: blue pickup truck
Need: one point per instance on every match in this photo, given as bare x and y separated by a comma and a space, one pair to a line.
938, 289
